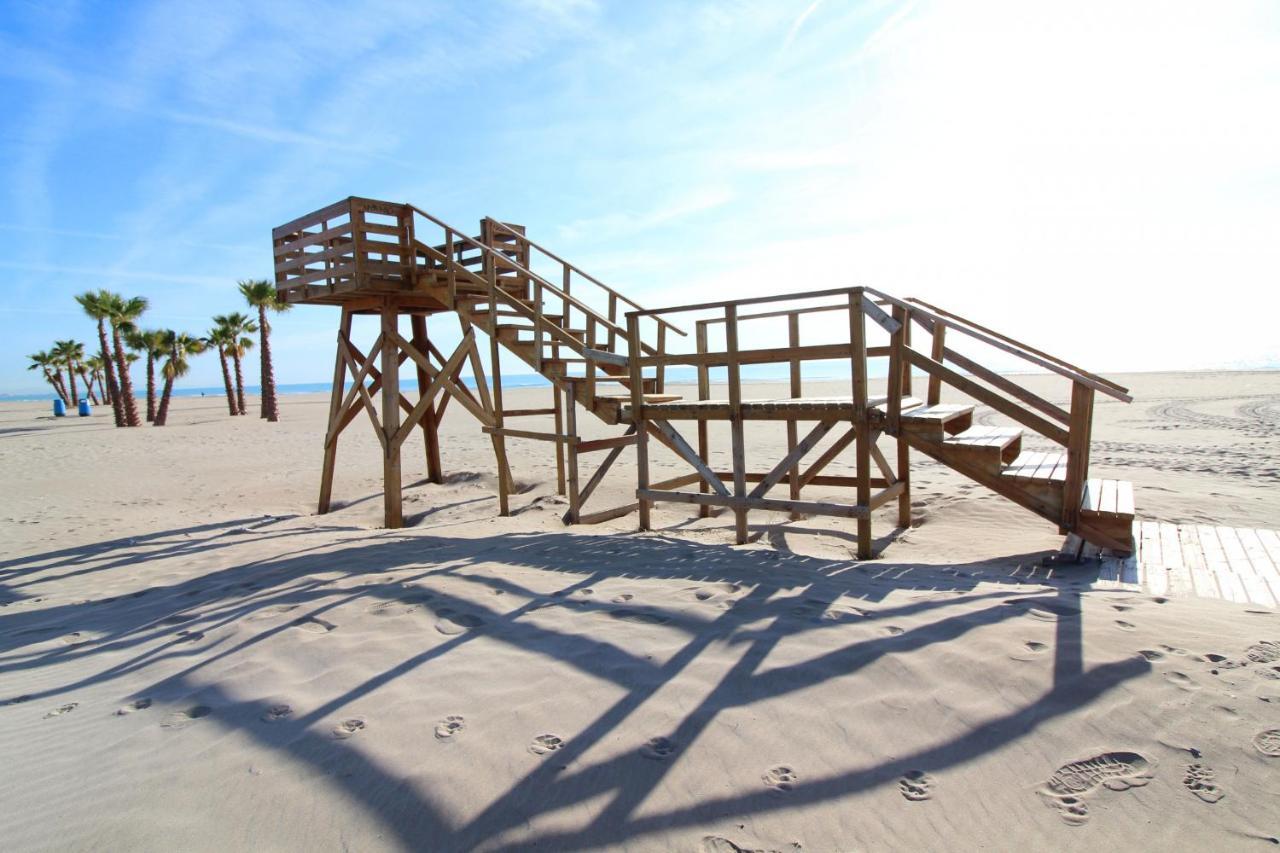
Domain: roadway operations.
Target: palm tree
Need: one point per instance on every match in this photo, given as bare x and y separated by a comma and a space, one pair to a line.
96, 305
220, 337
47, 362
123, 314
179, 347
262, 295
239, 326
151, 343
70, 354
95, 365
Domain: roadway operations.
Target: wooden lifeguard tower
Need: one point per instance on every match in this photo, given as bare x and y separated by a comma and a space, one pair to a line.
603, 353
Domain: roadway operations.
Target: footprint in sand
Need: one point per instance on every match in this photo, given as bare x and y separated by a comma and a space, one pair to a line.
272, 612
182, 719
348, 728
893, 630
780, 778
658, 748
1182, 680
62, 709
314, 625
276, 713
916, 785
1268, 743
452, 622
1173, 650
136, 705
543, 744
1031, 650
1066, 789
623, 598
640, 616
1264, 651
1201, 781
450, 726
1151, 654
1125, 626
706, 593
189, 636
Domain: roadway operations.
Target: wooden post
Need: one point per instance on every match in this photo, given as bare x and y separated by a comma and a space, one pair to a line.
430, 428
571, 428
1077, 453
735, 423
557, 397
499, 441
900, 368
392, 515
793, 340
938, 353
637, 411
660, 382
335, 416
704, 393
858, 363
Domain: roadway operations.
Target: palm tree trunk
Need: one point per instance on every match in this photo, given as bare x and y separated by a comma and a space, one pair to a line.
60, 386
235, 356
226, 381
112, 390
151, 386
270, 408
162, 414
127, 401
88, 384
71, 375
48, 375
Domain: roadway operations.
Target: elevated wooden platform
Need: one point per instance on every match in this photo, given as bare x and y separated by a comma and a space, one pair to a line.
601, 351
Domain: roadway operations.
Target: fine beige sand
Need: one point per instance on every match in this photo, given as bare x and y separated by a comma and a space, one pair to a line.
191, 659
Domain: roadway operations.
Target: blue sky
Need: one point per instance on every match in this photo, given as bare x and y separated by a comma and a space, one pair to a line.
1101, 178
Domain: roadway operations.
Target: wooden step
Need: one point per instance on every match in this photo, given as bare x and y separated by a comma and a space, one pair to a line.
1111, 499
649, 383
1033, 465
996, 445
939, 420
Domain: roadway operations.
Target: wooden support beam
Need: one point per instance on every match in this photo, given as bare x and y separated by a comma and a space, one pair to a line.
571, 427
430, 430
743, 503
557, 410
1077, 453
735, 423
393, 513
637, 407
792, 460
858, 355
793, 341
704, 393
676, 441
335, 413
828, 456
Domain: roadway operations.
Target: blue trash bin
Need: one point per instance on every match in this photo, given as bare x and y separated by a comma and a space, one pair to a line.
84, 409
59, 409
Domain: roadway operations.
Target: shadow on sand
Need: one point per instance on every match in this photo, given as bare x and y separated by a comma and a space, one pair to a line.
322, 567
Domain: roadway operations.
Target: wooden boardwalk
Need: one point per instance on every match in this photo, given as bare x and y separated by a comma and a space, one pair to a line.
1240, 564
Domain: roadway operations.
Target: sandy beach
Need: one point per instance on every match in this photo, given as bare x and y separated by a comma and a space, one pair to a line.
191, 659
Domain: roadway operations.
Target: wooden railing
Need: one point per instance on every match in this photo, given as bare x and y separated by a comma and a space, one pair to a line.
941, 363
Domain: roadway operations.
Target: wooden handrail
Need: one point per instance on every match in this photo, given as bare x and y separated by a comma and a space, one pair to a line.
753, 300
489, 252
1013, 348
1027, 347
588, 276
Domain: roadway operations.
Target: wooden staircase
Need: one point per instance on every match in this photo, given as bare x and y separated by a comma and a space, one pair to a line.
569, 327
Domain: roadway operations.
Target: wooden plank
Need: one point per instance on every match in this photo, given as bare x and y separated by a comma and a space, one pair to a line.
1227, 580
391, 479
1124, 498
598, 476
1179, 576
862, 446
1156, 576
735, 423
607, 443
1257, 582
637, 413
1108, 504
805, 507
1202, 580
